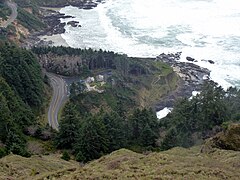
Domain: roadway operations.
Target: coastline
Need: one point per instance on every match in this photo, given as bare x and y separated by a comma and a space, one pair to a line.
53, 39
191, 76
51, 36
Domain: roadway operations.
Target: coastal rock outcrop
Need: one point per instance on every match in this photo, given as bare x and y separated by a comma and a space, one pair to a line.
191, 76
190, 58
52, 19
210, 61
82, 4
73, 23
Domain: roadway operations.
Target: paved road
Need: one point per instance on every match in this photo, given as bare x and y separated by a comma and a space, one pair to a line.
60, 96
13, 16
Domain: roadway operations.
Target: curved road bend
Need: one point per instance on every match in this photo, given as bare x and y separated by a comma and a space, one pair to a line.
60, 96
13, 16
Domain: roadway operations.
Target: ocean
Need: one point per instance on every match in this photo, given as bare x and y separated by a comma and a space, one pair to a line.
202, 29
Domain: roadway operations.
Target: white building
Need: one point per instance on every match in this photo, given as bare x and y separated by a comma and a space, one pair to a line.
100, 78
90, 79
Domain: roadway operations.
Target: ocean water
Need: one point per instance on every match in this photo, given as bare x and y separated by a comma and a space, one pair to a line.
202, 29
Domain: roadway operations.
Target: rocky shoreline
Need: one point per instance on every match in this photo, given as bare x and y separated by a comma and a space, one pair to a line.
84, 4
192, 77
54, 25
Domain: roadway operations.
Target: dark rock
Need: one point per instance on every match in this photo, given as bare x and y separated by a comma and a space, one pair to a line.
190, 58
52, 19
192, 78
211, 61
90, 5
73, 23
169, 57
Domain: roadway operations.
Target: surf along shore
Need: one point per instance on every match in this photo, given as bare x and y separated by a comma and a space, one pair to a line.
191, 76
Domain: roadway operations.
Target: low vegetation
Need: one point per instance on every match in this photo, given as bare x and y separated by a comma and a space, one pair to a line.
177, 163
17, 167
29, 21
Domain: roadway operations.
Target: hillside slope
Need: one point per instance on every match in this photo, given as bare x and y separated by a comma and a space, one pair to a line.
177, 163
18, 167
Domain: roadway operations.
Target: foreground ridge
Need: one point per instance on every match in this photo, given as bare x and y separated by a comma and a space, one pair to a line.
176, 163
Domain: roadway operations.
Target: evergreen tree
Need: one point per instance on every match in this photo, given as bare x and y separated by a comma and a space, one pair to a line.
92, 141
22, 72
138, 121
148, 137
68, 128
170, 140
5, 118
115, 130
16, 143
65, 156
21, 113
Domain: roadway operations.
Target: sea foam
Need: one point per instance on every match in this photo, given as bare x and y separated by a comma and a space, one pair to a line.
203, 29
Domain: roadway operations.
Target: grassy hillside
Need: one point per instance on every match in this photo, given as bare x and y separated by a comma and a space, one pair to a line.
29, 20
177, 163
199, 162
17, 167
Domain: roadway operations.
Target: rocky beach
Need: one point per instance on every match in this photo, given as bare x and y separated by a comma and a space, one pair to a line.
52, 17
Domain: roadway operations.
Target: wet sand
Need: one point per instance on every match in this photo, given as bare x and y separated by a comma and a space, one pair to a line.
56, 39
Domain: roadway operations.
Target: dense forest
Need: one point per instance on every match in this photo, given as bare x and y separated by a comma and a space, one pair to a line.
88, 136
199, 118
94, 124
21, 96
89, 60
91, 136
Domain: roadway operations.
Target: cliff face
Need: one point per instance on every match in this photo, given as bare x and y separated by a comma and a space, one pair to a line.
65, 64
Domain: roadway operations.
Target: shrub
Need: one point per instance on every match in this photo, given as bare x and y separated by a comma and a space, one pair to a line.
65, 156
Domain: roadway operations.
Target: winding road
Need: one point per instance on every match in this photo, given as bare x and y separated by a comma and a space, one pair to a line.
13, 16
60, 96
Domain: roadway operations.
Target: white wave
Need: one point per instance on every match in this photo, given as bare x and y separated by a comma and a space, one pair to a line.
203, 29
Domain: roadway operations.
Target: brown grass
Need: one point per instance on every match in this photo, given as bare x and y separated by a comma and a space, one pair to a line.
177, 163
